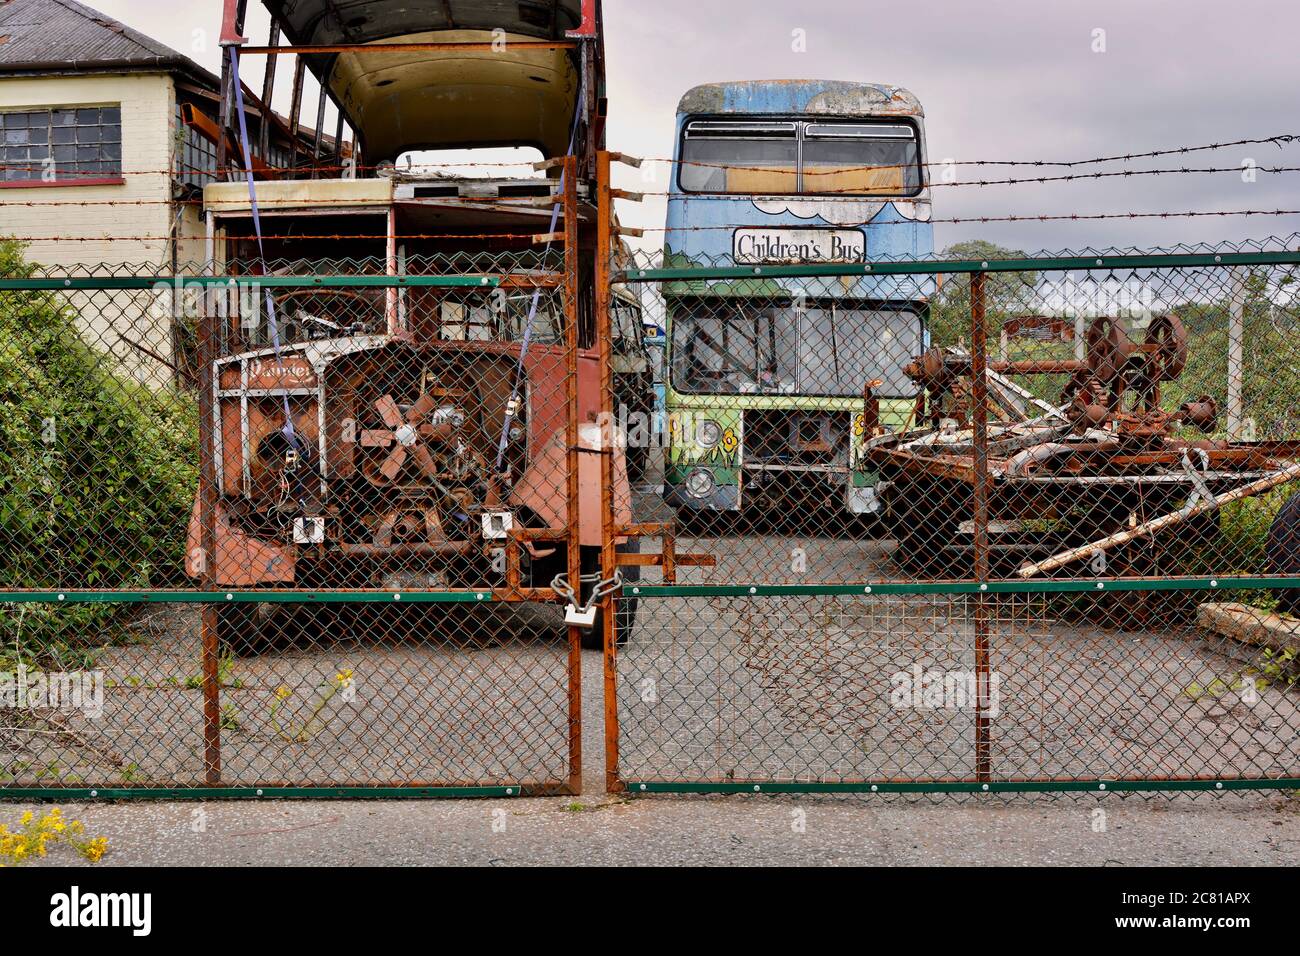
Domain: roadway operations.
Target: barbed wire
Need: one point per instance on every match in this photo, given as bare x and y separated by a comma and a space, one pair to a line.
378, 236
692, 195
491, 263
262, 203
1068, 177
1279, 140
1035, 217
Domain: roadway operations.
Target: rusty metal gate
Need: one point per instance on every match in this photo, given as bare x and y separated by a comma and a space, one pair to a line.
293, 526
1048, 540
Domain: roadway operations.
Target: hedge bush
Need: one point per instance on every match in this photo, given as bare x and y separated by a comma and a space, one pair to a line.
97, 471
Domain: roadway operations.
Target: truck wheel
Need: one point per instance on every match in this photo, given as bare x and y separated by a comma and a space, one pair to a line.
925, 523
248, 630
1283, 551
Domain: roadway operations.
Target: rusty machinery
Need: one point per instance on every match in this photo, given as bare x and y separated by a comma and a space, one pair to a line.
389, 460
1117, 382
1083, 479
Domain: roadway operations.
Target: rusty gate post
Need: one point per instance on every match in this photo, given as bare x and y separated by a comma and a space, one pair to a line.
207, 542
608, 418
572, 316
980, 516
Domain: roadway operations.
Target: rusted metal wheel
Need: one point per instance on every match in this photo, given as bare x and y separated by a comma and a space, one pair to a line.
1109, 348
1168, 336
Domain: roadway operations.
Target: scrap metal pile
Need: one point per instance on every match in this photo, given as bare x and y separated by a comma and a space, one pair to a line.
1106, 475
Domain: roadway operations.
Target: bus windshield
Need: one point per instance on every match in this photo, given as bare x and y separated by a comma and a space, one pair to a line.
753, 348
822, 158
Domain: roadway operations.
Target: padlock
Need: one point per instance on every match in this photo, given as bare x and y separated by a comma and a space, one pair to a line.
575, 617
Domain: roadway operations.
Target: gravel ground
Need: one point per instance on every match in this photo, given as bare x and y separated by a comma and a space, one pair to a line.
1260, 830
800, 688
374, 698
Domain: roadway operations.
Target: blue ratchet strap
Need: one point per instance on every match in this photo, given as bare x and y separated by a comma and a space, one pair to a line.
515, 397
257, 227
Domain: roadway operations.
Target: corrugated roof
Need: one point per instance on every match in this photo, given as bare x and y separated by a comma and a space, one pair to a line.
65, 35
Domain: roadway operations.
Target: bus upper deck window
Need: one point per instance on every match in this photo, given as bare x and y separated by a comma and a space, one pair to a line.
722, 156
860, 159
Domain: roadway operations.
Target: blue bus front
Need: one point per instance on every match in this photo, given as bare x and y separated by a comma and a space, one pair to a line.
774, 385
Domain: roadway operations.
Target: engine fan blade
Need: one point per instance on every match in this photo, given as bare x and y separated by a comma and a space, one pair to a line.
389, 411
425, 404
425, 460
393, 463
377, 438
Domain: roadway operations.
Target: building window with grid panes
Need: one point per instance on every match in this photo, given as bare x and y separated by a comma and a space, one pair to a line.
195, 162
61, 145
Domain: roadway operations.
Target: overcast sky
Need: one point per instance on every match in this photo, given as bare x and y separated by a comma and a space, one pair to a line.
999, 80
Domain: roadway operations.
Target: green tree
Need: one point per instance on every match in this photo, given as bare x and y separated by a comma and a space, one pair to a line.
1005, 293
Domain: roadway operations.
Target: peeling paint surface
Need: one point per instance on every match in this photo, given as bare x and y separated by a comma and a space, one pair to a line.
814, 97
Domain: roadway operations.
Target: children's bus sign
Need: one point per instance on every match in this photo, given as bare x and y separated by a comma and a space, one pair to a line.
760, 246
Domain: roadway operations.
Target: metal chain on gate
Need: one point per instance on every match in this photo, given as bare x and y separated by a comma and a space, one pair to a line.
584, 614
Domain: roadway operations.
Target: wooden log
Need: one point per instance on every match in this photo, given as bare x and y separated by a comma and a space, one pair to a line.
1252, 626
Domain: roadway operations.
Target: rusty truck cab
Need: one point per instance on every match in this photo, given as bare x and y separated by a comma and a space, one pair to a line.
398, 418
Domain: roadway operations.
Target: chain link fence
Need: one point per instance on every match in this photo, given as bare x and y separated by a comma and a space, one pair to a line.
1016, 524
297, 525
310, 528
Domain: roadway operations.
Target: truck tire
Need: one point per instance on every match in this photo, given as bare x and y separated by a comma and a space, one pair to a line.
249, 630
1283, 551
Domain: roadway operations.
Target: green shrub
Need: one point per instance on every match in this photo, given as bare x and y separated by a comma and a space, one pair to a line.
97, 471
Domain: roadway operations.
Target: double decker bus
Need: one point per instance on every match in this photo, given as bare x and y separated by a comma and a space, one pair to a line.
774, 384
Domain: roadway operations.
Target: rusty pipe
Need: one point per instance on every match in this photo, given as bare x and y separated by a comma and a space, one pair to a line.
409, 549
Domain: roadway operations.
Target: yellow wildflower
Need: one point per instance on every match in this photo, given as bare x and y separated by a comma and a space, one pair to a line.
94, 850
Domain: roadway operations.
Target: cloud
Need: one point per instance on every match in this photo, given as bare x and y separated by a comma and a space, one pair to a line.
1013, 80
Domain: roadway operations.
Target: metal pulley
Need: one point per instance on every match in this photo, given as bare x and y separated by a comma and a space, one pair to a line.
1166, 347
